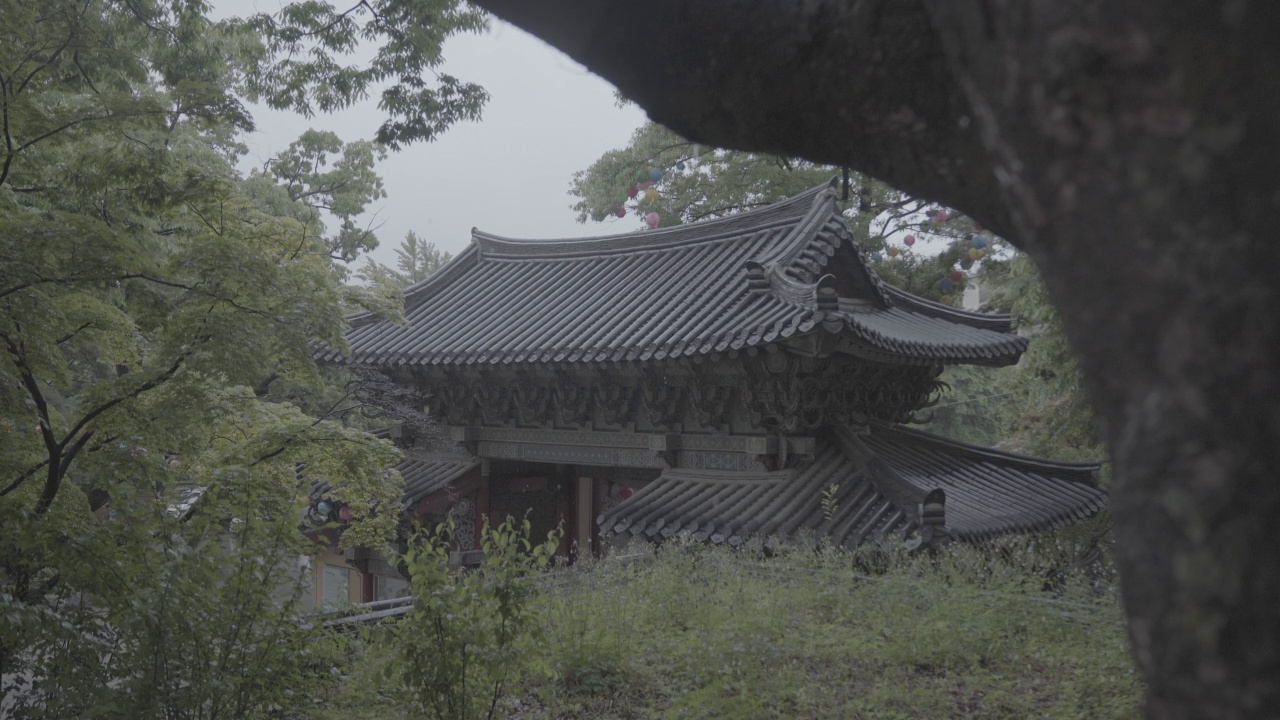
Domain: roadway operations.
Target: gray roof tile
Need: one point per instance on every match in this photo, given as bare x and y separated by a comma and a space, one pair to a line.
669, 293
881, 476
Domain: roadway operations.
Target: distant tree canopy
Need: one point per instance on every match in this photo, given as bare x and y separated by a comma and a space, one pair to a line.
700, 182
416, 260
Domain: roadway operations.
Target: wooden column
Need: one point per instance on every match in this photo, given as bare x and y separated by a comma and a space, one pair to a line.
584, 506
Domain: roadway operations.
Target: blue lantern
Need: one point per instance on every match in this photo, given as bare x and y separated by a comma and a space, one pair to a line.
680, 165
655, 174
875, 257
978, 242
946, 285
323, 507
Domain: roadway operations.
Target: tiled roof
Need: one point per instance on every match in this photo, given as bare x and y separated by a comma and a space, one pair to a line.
988, 492
426, 473
423, 473
881, 477
730, 506
743, 280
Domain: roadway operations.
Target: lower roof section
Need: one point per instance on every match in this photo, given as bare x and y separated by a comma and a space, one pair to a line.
423, 474
874, 481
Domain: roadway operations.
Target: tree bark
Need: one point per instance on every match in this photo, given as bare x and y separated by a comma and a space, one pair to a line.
1133, 150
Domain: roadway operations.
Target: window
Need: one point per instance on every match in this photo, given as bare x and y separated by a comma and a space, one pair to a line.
336, 587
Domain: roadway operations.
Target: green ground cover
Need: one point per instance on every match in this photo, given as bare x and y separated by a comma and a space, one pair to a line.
696, 632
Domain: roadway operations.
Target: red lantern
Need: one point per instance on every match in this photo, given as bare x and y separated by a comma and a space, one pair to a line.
620, 212
956, 276
645, 185
909, 240
626, 493
633, 191
344, 514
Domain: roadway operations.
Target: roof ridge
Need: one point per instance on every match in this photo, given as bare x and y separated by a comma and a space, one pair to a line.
496, 246
805, 234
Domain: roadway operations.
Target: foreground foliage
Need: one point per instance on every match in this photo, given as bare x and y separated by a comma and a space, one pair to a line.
158, 316
692, 632
469, 633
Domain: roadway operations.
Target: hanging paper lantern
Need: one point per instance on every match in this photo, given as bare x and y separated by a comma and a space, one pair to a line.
978, 242
645, 185
653, 219
945, 299
909, 240
641, 176
946, 285
976, 253
956, 276
966, 263
655, 174
626, 493
323, 507
680, 165
620, 212
875, 257
651, 195
940, 217
633, 191
893, 251
344, 514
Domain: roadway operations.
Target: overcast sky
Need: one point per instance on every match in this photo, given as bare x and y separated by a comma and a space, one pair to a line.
507, 174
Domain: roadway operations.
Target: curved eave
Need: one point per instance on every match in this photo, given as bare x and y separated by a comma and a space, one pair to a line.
996, 322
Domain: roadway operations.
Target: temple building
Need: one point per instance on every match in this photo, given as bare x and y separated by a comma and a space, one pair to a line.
718, 379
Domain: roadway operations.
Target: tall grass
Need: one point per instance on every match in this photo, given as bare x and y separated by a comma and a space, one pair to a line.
807, 631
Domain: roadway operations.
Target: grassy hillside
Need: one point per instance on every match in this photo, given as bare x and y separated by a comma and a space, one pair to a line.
695, 632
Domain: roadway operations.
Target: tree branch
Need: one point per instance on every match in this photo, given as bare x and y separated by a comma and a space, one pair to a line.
844, 84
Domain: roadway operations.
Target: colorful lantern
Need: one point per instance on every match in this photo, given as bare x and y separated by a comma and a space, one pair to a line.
875, 257
641, 176
653, 219
633, 191
909, 240
976, 253
651, 195
978, 242
956, 276
620, 212
655, 174
680, 165
946, 285
966, 263
323, 507
893, 251
645, 185
626, 493
344, 514
940, 217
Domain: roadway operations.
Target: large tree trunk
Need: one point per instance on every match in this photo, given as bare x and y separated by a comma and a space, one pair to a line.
1133, 151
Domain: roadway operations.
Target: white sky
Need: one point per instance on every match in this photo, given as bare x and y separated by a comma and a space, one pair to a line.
509, 173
